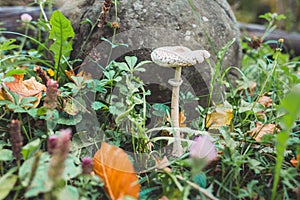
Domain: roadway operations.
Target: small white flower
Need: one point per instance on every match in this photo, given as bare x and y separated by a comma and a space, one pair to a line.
205, 19
26, 17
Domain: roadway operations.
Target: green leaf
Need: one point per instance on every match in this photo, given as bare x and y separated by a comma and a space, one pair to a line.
131, 61
29, 149
41, 182
8, 45
246, 107
6, 155
291, 106
68, 192
62, 34
122, 66
141, 64
70, 121
27, 100
97, 105
7, 183
15, 72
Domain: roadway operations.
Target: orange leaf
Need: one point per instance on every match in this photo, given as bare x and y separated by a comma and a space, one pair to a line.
85, 75
181, 118
114, 167
295, 161
262, 129
219, 118
27, 88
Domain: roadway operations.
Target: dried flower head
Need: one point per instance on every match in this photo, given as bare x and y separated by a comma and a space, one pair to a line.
42, 74
87, 165
105, 11
255, 42
59, 155
51, 94
52, 143
16, 138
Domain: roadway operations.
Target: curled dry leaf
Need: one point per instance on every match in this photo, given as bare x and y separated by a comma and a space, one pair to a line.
262, 129
252, 88
114, 167
163, 164
265, 101
27, 88
85, 75
219, 118
295, 161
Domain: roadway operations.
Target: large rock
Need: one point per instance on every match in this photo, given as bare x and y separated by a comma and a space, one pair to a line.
148, 24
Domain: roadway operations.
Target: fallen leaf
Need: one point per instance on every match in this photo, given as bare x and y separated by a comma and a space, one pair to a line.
85, 75
181, 119
27, 88
262, 129
114, 167
163, 164
251, 88
295, 161
265, 101
219, 118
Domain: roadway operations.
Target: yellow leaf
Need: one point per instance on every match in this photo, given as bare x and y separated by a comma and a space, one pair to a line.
219, 118
114, 167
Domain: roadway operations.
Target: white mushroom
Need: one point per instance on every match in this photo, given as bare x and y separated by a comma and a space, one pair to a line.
178, 57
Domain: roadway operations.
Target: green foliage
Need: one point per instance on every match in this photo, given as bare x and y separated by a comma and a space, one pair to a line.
291, 106
244, 169
62, 34
7, 183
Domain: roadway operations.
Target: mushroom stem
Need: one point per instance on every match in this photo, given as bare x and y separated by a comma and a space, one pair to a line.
176, 82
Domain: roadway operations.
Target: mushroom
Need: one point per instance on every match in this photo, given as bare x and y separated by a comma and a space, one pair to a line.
177, 57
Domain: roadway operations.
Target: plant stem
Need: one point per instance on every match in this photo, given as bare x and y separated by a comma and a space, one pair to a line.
24, 39
177, 148
23, 127
197, 187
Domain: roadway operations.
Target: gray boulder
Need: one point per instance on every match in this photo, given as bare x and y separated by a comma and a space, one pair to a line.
148, 24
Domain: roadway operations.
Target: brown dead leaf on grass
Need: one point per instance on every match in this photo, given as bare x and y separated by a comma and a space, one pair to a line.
163, 164
265, 101
262, 129
24, 88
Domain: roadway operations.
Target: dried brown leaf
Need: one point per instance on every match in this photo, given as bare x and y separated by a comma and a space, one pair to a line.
265, 101
262, 129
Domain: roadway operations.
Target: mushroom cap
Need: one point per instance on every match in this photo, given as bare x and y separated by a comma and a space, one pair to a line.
178, 56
